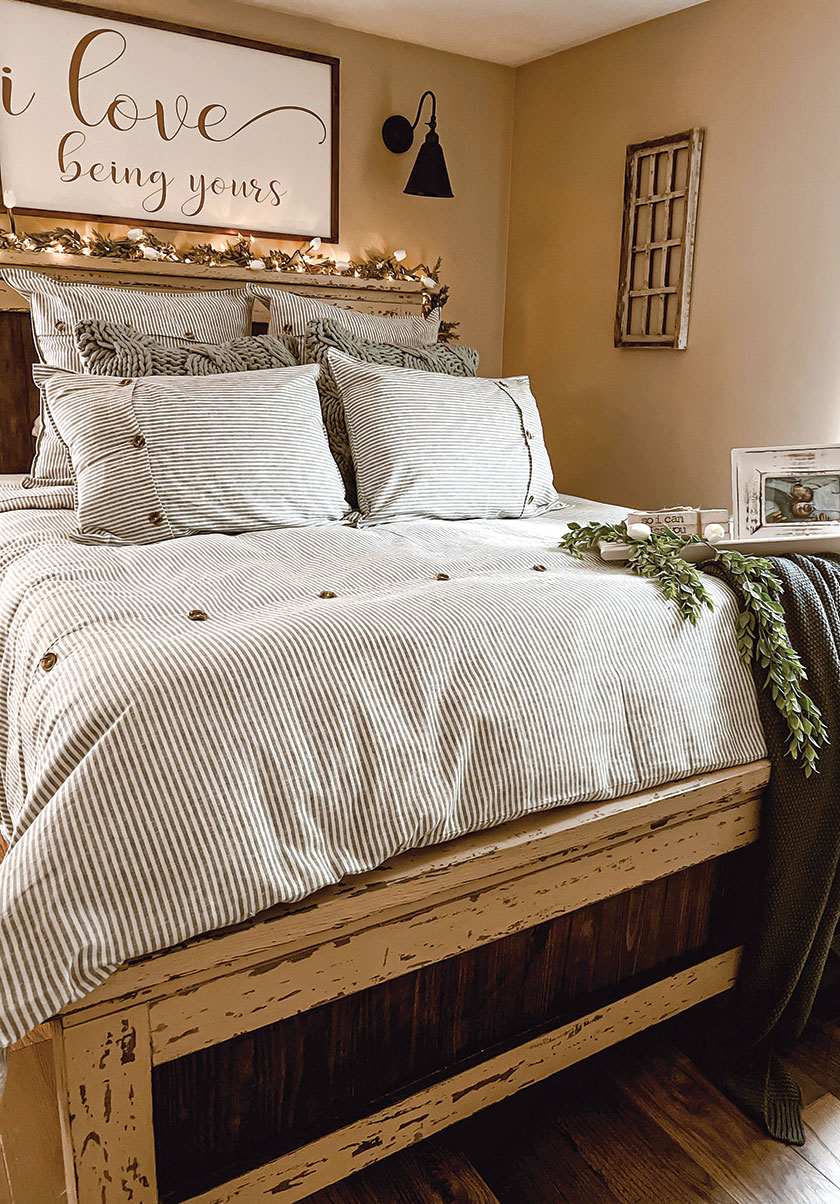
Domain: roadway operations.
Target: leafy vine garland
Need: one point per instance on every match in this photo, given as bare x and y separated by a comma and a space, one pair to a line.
238, 252
761, 632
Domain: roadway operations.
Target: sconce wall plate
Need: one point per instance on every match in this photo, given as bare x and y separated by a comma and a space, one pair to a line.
398, 134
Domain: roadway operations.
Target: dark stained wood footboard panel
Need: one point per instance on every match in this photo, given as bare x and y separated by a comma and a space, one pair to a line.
226, 1109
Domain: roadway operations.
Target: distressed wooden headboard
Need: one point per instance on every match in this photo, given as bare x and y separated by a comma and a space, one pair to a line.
18, 395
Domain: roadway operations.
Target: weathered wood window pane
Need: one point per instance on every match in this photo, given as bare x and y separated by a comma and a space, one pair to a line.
657, 247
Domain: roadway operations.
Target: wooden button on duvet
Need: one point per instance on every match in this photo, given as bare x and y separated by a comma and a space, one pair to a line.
126, 381
442, 577
326, 593
156, 518
198, 616
48, 661
538, 568
138, 441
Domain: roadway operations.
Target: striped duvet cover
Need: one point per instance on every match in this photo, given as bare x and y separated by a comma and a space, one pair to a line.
350, 693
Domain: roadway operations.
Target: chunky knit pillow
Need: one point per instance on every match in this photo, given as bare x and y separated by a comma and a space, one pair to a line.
111, 349
321, 336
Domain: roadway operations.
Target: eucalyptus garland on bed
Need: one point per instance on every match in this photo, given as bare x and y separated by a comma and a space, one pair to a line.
761, 632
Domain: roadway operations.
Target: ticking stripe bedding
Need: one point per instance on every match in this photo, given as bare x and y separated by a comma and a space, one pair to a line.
350, 694
427, 445
290, 314
167, 456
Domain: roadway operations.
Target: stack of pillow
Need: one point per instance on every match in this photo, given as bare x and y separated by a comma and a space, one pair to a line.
169, 418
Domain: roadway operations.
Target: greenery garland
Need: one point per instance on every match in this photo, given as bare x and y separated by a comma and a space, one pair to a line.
144, 244
761, 632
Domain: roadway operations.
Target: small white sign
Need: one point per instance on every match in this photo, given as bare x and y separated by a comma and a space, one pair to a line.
126, 120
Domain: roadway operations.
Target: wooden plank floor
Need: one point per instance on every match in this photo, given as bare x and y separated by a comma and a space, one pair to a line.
635, 1125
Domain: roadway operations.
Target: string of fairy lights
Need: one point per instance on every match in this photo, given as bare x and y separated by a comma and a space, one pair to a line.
237, 251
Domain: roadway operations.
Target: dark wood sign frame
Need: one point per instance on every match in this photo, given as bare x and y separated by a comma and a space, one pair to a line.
215, 36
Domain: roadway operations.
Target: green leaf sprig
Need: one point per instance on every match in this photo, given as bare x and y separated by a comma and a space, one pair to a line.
761, 632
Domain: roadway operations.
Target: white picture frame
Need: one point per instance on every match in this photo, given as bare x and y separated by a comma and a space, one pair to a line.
786, 491
113, 118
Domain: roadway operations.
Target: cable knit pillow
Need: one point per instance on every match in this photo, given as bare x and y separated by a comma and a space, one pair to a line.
177, 319
164, 456
290, 314
109, 349
321, 337
431, 446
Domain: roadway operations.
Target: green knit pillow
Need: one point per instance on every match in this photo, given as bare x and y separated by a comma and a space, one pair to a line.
322, 335
112, 349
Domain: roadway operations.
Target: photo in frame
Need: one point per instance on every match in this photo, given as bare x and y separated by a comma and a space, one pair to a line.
116, 118
786, 491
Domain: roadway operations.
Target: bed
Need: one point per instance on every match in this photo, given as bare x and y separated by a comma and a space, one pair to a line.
425, 814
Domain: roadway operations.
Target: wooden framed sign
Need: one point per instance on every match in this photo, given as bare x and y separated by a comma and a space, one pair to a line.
127, 120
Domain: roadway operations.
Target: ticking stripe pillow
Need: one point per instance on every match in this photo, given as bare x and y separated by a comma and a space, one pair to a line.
165, 456
177, 319
290, 314
433, 446
320, 337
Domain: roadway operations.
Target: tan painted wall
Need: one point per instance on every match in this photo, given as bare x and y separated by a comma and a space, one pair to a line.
654, 427
380, 77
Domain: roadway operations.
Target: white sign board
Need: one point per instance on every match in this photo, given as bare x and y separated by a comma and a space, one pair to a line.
129, 121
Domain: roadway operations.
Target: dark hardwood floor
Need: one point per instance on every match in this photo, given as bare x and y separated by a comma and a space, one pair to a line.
639, 1124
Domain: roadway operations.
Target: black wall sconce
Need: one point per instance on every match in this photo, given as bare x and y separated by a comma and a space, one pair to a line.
429, 176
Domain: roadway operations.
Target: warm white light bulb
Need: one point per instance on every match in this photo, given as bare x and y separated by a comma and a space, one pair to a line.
9, 198
399, 255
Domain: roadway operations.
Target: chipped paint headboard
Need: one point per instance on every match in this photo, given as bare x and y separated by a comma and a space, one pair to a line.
18, 395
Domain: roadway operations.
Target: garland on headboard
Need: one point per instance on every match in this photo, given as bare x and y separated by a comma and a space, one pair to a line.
143, 244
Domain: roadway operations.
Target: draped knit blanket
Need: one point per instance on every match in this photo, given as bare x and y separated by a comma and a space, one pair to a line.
111, 349
800, 865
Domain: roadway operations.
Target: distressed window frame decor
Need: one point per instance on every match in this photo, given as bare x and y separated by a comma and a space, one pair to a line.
754, 469
651, 259
207, 114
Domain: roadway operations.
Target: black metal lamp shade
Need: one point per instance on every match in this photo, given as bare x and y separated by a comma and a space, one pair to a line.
429, 176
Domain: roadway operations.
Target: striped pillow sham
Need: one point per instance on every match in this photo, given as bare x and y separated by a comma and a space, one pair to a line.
431, 446
165, 456
290, 314
320, 337
177, 319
